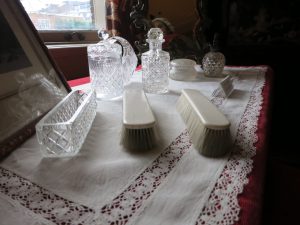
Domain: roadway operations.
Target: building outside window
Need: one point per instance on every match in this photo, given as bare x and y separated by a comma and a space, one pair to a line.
55, 19
43, 23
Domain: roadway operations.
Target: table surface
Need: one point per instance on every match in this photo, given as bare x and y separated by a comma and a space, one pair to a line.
25, 208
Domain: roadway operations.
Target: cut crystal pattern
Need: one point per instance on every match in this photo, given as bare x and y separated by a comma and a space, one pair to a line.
129, 59
112, 62
63, 130
213, 64
155, 64
105, 73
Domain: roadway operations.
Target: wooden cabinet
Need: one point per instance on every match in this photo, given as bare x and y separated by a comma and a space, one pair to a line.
72, 61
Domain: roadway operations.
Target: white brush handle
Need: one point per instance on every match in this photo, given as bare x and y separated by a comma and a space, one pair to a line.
207, 126
209, 114
137, 113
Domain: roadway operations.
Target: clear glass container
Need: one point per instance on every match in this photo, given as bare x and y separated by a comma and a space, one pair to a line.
112, 62
63, 130
155, 64
129, 58
214, 61
213, 64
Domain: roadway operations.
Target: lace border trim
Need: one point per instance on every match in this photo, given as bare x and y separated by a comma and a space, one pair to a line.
222, 206
42, 202
132, 198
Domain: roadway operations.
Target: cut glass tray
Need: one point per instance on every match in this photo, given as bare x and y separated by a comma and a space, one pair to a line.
62, 131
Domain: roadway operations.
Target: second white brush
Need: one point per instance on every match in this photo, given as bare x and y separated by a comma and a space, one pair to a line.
207, 126
138, 132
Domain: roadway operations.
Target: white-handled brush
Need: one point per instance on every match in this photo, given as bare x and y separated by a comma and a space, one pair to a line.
138, 132
207, 126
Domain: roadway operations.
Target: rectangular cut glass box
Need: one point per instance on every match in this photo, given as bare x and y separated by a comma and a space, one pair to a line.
63, 130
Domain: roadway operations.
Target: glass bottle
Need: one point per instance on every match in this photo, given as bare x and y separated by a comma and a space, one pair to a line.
214, 61
155, 64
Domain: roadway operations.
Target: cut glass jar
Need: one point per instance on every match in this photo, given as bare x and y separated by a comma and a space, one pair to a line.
214, 61
112, 62
213, 64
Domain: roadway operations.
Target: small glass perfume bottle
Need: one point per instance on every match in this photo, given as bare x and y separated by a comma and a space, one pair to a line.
214, 61
155, 64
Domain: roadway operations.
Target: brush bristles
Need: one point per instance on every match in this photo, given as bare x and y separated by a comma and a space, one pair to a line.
139, 139
138, 132
209, 142
213, 143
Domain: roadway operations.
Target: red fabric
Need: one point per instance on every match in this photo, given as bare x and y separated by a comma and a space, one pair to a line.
113, 9
252, 197
86, 80
79, 81
139, 67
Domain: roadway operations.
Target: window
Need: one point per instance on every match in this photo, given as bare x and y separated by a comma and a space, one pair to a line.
67, 20
43, 24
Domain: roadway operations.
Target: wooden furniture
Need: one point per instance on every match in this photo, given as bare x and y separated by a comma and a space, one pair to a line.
71, 60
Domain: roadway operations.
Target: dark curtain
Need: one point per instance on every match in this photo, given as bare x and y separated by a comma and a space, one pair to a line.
118, 17
126, 18
113, 20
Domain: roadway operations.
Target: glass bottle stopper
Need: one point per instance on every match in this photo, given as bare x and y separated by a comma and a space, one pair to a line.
155, 34
103, 34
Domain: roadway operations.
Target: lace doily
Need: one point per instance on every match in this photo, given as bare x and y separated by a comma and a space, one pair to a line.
132, 198
221, 208
43, 202
62, 211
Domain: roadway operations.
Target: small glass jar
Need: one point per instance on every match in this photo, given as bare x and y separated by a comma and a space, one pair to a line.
155, 64
214, 61
213, 64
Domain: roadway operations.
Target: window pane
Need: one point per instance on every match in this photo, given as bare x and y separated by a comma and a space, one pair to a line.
61, 14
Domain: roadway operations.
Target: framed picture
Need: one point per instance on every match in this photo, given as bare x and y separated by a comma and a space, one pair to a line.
30, 83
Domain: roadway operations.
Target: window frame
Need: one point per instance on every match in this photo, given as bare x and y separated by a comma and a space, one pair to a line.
56, 37
59, 37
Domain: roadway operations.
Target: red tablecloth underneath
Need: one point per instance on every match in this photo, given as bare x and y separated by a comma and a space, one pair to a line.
251, 198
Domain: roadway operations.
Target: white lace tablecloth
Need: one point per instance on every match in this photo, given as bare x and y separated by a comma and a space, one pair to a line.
106, 184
